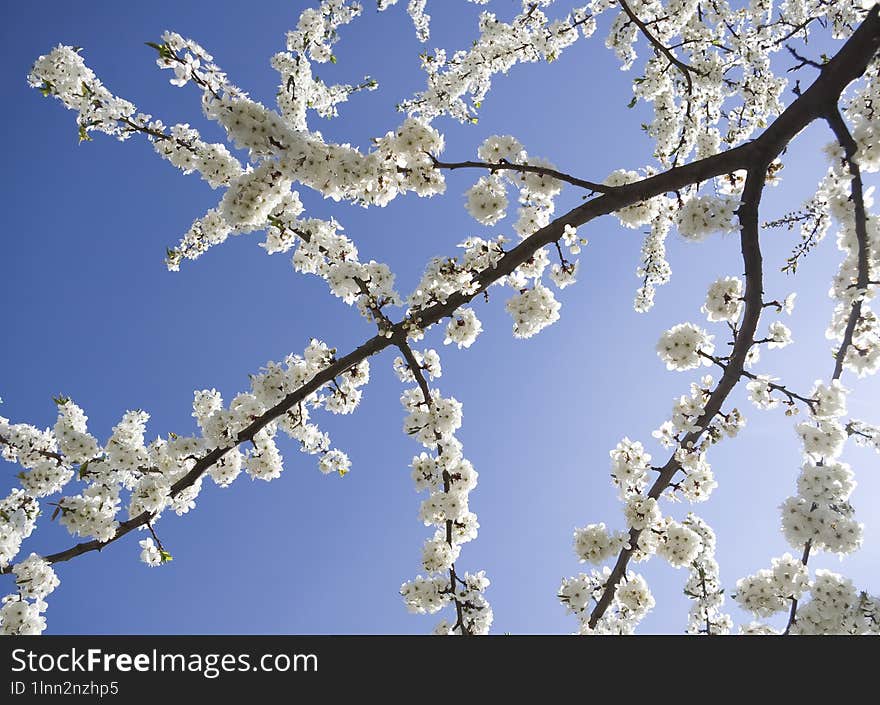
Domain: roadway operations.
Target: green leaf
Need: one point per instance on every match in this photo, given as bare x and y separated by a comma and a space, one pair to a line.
163, 49
632, 103
332, 58
83, 135
165, 556
61, 400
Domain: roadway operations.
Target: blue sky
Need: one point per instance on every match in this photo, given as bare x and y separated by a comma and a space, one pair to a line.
92, 313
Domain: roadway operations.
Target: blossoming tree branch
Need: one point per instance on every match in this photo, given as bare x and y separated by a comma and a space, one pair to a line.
722, 123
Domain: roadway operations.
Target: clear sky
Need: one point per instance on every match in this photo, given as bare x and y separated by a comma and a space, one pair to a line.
91, 312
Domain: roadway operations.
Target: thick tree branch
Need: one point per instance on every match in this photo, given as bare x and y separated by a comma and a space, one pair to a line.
754, 293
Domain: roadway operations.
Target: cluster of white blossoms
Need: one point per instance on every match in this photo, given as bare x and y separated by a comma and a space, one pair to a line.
19, 513
724, 86
428, 361
246, 205
401, 161
770, 590
72, 436
421, 20
299, 90
629, 467
283, 149
315, 31
458, 83
34, 577
159, 475
182, 147
463, 328
703, 585
702, 215
724, 300
63, 74
151, 555
593, 543
487, 200
679, 545
687, 411
22, 613
864, 434
778, 335
761, 393
699, 479
654, 269
836, 607
861, 116
533, 310
685, 346
534, 306
632, 601
448, 478
416, 10
20, 616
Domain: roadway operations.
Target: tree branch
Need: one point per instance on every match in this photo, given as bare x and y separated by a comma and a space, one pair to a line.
684, 68
504, 165
845, 139
416, 369
838, 126
752, 261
